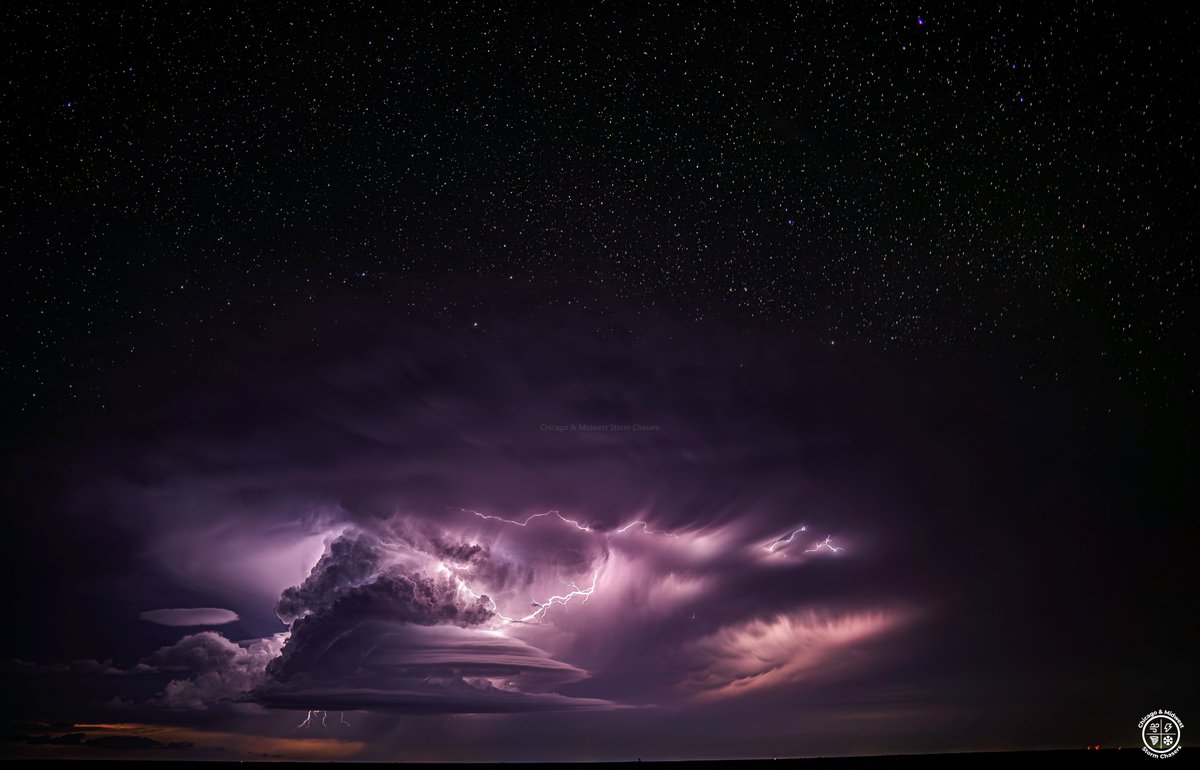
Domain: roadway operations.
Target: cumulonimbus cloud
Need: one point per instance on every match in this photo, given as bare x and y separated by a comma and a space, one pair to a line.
392, 503
382, 623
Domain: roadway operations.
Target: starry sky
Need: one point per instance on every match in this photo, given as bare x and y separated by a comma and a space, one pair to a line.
471, 381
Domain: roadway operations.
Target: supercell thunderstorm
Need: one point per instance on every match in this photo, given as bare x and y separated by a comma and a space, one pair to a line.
406, 616
368, 585
428, 549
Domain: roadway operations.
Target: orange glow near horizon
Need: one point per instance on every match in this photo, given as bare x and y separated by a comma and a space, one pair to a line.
238, 743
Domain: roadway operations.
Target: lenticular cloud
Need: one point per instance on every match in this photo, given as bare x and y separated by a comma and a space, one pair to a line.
193, 616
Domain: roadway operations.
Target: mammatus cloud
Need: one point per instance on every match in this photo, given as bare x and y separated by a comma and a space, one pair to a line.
192, 616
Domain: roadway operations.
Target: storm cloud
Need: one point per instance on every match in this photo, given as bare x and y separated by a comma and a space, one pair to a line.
418, 518
207, 669
453, 522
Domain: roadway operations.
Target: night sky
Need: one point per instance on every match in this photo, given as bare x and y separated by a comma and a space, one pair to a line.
575, 381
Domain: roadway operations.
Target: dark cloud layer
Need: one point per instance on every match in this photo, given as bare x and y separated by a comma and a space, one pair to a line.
395, 667
119, 742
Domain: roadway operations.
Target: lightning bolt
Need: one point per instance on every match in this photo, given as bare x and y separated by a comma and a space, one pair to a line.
572, 522
646, 529
541, 606
308, 719
462, 586
561, 599
581, 527
342, 718
825, 544
783, 541
553, 600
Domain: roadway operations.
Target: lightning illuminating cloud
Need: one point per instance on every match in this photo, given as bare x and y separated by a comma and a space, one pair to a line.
575, 524
825, 544
783, 540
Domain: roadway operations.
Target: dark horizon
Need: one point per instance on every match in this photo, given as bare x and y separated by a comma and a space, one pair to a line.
588, 384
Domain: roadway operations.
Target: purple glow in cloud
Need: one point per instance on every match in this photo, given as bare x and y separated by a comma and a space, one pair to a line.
408, 539
402, 617
766, 653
